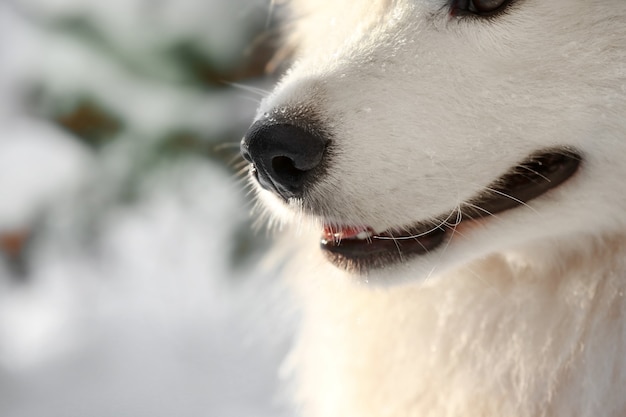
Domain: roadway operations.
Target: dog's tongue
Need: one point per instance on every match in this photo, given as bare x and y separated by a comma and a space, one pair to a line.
346, 232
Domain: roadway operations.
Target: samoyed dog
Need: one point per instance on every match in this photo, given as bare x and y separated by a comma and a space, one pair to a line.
452, 175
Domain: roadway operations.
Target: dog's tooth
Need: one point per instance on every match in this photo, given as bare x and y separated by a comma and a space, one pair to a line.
363, 235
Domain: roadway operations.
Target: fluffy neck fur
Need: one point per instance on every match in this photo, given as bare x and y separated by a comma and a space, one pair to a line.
505, 336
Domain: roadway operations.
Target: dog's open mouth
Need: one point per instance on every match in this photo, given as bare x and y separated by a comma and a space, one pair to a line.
361, 248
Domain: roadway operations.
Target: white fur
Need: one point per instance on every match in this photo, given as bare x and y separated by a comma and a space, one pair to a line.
520, 315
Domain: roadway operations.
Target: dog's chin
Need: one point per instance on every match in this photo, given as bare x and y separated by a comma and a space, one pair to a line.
361, 250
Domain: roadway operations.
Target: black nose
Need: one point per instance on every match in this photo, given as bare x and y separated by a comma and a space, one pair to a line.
285, 157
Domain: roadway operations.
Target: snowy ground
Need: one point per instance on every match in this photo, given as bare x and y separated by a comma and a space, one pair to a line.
149, 317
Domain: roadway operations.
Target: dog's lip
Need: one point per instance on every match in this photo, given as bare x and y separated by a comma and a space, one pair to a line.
363, 246
359, 247
336, 235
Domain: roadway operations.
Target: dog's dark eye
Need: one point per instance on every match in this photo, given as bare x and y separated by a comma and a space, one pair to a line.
478, 7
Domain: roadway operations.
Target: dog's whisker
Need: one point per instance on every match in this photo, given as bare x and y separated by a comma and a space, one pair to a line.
398, 247
535, 172
421, 234
226, 145
249, 88
517, 200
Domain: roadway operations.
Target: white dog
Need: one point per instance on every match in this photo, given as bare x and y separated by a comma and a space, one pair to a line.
463, 163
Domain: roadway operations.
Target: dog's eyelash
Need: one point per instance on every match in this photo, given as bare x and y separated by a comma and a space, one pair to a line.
466, 8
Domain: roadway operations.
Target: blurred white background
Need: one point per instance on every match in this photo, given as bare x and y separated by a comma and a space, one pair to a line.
130, 281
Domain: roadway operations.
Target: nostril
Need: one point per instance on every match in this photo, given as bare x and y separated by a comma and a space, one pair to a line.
285, 168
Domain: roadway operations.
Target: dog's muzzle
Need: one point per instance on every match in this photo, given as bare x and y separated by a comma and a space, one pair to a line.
286, 158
